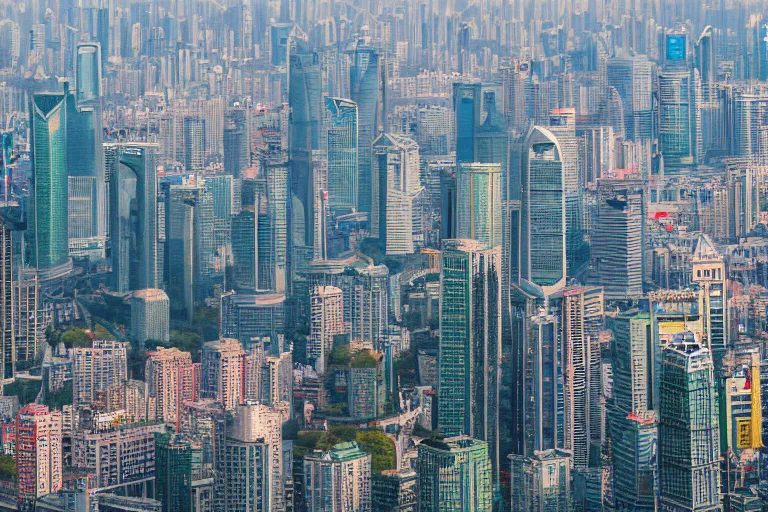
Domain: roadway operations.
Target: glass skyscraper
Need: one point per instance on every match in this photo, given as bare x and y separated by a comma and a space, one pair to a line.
48, 201
365, 91
478, 191
542, 241
343, 148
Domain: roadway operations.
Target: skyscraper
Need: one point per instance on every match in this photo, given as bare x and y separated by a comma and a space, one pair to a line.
689, 440
582, 320
88, 73
541, 482
631, 77
174, 472
338, 480
96, 369
38, 454
326, 321
8, 301
709, 272
223, 367
343, 155
170, 378
237, 152
365, 85
618, 244
133, 195
395, 182
467, 111
470, 343
48, 201
542, 238
454, 474
150, 315
478, 191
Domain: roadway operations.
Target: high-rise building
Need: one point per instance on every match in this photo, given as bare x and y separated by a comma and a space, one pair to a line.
541, 482
171, 379
470, 343
38, 453
96, 369
583, 311
48, 202
9, 309
133, 195
252, 462
223, 368
395, 490
174, 472
88, 73
365, 89
343, 154
478, 192
225, 192
710, 273
454, 474
631, 77
633, 427
326, 321
395, 174
689, 440
367, 301
618, 245
248, 317
365, 385
237, 153
467, 111
743, 198
150, 315
338, 480
542, 233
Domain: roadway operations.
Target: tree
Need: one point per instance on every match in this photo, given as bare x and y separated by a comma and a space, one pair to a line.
381, 448
76, 338
7, 468
187, 342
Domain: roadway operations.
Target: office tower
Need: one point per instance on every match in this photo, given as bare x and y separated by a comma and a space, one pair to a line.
746, 138
306, 124
541, 481
278, 271
96, 369
478, 191
253, 474
245, 244
338, 480
29, 325
48, 203
9, 310
454, 474
38, 454
343, 154
222, 372
85, 160
194, 143
365, 385
394, 489
582, 320
237, 153
174, 472
633, 427
247, 317
710, 273
276, 381
743, 198
225, 194
470, 343
123, 459
689, 440
491, 140
365, 89
542, 234
133, 217
395, 172
467, 110
150, 315
368, 300
170, 377
190, 259
617, 245
326, 321
631, 77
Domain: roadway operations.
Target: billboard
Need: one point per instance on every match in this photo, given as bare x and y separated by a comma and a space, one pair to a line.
675, 47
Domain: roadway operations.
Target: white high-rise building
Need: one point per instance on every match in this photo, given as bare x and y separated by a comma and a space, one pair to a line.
150, 315
327, 320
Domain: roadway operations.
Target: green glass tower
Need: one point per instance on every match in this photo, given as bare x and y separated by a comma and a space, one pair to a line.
48, 201
689, 445
470, 342
174, 473
454, 475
